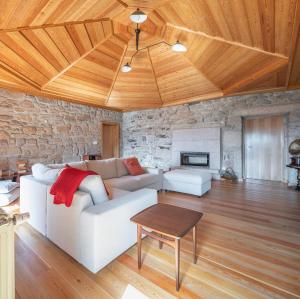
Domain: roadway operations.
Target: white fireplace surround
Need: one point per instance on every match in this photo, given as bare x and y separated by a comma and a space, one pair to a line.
197, 140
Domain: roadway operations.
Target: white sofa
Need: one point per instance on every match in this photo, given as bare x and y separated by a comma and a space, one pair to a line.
94, 235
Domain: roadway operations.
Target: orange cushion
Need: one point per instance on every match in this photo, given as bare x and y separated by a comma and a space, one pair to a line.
133, 166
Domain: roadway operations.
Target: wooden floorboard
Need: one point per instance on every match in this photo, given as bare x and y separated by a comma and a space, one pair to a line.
248, 247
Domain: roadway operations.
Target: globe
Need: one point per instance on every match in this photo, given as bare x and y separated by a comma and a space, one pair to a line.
294, 148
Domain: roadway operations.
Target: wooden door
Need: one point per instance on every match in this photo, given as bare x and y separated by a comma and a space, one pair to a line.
110, 140
263, 148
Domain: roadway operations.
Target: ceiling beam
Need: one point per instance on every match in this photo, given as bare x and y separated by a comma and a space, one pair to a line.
116, 74
54, 25
19, 75
209, 96
220, 39
272, 67
152, 68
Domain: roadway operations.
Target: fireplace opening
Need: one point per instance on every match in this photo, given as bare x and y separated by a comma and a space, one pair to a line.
194, 159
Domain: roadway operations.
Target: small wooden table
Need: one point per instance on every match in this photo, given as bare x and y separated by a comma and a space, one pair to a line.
167, 224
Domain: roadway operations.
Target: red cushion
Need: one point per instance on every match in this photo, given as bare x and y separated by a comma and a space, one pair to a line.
133, 166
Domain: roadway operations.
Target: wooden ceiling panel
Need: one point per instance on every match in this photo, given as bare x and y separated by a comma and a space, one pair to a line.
26, 51
47, 47
74, 49
137, 88
24, 13
264, 24
294, 80
7, 79
64, 42
273, 81
177, 78
92, 76
20, 66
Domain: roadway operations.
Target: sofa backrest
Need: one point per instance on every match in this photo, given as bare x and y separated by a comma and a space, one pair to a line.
106, 168
121, 169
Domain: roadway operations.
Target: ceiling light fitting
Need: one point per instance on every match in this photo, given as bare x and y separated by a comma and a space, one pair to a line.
139, 17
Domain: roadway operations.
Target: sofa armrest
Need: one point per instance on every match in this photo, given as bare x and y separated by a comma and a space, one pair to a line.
33, 199
63, 222
153, 170
108, 230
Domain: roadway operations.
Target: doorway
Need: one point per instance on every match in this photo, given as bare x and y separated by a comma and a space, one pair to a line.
110, 140
264, 148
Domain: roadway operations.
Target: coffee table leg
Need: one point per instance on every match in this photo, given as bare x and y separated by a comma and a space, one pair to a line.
177, 262
139, 243
195, 243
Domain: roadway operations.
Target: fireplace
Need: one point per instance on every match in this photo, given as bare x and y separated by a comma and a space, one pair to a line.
194, 159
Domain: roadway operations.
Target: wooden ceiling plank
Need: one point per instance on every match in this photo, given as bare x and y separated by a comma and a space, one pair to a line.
8, 8
253, 17
267, 20
285, 18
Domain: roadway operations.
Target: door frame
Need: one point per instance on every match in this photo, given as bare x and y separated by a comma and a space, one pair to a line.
110, 123
285, 154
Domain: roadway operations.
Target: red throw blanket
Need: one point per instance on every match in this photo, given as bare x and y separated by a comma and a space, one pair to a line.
66, 185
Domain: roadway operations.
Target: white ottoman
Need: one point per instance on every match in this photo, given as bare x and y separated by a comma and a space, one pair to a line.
187, 181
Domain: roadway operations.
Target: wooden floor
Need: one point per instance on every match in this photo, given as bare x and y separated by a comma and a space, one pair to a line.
248, 247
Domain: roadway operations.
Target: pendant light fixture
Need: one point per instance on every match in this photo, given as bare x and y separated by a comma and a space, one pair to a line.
179, 47
139, 17
126, 68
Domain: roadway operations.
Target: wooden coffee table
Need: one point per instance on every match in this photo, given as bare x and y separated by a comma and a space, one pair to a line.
167, 224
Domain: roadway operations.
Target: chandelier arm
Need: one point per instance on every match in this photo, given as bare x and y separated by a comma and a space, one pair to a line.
138, 50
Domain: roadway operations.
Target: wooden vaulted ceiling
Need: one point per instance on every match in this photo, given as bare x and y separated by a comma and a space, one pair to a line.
74, 49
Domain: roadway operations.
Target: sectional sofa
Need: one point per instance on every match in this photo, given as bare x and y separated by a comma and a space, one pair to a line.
93, 234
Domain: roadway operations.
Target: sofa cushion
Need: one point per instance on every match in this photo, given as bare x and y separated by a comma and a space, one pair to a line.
93, 185
106, 168
146, 179
187, 176
79, 165
133, 166
7, 186
116, 193
126, 182
44, 173
121, 169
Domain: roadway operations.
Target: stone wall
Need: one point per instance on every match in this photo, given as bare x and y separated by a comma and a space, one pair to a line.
42, 130
148, 133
